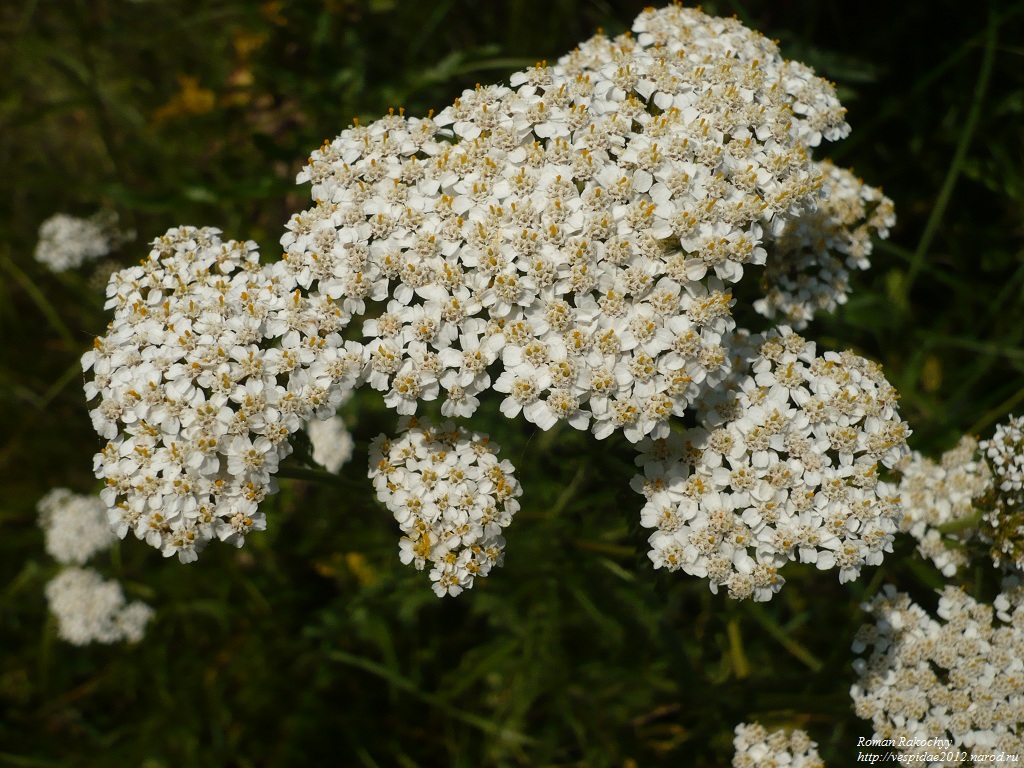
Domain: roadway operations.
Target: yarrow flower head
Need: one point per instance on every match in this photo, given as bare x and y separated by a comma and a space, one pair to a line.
936, 495
959, 676
1004, 515
756, 747
808, 269
570, 241
451, 497
66, 242
75, 526
783, 467
90, 609
210, 363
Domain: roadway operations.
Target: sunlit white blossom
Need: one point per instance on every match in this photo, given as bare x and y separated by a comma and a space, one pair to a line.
210, 362
451, 497
570, 241
784, 466
958, 675
940, 494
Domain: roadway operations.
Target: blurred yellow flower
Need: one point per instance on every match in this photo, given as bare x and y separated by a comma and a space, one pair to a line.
190, 100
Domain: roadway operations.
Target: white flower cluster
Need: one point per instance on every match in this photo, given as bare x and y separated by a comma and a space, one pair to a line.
450, 495
75, 526
331, 441
568, 241
210, 363
785, 468
1004, 510
809, 263
66, 242
90, 609
87, 607
1005, 454
934, 495
961, 678
757, 748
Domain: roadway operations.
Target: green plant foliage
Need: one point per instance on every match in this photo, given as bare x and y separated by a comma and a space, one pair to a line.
313, 645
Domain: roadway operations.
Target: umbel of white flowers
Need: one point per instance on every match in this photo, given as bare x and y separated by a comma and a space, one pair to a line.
568, 241
971, 496
959, 676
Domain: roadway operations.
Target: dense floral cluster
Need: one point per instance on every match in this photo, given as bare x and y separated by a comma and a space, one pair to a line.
936, 495
809, 265
757, 748
66, 242
961, 678
1005, 516
784, 468
91, 609
569, 241
75, 526
87, 607
972, 497
210, 363
450, 495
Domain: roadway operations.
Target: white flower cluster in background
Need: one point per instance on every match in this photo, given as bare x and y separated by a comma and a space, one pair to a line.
784, 468
569, 241
75, 526
809, 265
66, 242
940, 494
331, 441
91, 609
959, 676
88, 608
1005, 454
210, 363
451, 497
756, 747
1004, 517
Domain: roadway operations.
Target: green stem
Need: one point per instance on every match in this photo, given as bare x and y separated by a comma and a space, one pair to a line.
433, 700
315, 476
993, 415
959, 155
40, 300
795, 649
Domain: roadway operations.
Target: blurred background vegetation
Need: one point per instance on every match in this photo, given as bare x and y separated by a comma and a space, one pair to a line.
313, 645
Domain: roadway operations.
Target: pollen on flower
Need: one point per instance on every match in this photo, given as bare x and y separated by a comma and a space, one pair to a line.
451, 497
760, 483
955, 675
197, 392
